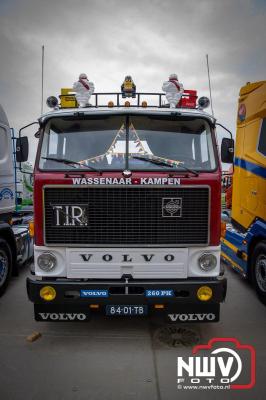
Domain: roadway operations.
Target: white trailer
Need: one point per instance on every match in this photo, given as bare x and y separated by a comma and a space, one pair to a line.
15, 241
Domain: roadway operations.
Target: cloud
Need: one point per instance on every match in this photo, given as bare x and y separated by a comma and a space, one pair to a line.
147, 39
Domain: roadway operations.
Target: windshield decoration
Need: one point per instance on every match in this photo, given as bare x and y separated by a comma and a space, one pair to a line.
117, 147
84, 89
136, 150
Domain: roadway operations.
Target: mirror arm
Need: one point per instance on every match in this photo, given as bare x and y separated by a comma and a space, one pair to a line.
231, 150
227, 130
26, 126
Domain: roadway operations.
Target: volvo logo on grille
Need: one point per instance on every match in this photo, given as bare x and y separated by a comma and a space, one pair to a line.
172, 207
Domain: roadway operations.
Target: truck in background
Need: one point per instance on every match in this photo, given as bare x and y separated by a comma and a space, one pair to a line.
15, 240
24, 187
244, 238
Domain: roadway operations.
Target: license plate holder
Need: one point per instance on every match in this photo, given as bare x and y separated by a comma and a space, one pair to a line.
126, 310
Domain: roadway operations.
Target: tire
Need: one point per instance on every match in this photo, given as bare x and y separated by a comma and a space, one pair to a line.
259, 270
5, 265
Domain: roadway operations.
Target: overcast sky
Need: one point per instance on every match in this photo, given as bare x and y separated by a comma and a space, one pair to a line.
148, 39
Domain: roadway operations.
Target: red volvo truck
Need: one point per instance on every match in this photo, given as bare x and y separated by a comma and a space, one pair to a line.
127, 205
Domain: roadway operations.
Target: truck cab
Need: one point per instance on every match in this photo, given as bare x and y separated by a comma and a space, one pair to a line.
15, 242
127, 204
244, 239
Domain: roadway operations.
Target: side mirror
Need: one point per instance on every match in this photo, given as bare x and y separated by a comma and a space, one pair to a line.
22, 149
227, 150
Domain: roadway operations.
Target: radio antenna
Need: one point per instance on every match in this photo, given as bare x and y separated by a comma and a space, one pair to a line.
210, 90
42, 77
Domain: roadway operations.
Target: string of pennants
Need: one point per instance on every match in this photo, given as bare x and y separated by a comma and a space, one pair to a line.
110, 151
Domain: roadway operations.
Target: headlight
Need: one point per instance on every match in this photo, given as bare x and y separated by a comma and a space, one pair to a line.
46, 261
207, 262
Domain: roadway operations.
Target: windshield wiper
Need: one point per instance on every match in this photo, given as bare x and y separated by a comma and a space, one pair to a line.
165, 163
70, 162
188, 169
153, 161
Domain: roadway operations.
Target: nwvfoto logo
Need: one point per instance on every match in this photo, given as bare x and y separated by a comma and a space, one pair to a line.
6, 194
223, 363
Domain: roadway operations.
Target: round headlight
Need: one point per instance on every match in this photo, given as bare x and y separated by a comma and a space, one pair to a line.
46, 261
207, 262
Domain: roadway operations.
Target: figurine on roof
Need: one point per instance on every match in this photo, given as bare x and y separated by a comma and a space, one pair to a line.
128, 87
173, 90
84, 90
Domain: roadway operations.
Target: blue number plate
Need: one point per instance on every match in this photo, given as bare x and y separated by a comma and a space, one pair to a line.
159, 293
122, 310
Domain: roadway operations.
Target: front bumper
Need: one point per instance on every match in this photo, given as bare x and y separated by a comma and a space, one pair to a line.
183, 301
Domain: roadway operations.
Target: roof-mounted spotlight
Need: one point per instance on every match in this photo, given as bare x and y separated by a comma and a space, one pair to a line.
203, 102
52, 102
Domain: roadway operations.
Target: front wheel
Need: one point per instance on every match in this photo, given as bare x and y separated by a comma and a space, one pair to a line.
5, 265
259, 270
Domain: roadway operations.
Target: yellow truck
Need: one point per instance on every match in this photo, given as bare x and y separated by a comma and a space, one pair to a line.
243, 241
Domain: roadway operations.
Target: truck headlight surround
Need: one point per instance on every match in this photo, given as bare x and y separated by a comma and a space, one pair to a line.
46, 261
207, 262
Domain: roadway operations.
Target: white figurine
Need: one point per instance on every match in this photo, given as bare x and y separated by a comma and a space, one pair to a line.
83, 89
173, 90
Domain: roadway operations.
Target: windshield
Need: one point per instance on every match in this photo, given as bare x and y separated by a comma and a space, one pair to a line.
120, 142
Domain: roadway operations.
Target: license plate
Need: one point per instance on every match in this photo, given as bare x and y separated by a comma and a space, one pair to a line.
124, 310
159, 293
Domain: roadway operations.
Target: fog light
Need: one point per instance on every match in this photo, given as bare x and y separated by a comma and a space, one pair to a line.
48, 293
204, 293
207, 261
46, 261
